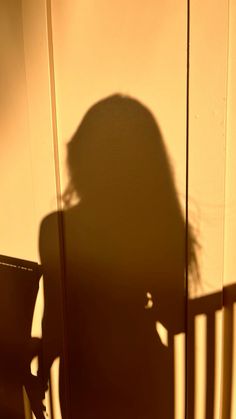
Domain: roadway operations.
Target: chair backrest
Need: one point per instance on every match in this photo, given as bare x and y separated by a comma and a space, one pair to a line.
19, 283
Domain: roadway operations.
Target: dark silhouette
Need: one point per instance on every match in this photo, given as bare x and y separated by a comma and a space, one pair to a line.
113, 265
104, 258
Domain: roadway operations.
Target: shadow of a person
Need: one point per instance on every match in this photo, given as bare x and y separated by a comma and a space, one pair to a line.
123, 251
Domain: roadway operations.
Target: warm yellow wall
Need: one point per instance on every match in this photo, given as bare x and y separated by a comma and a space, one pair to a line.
17, 207
207, 141
230, 182
27, 157
135, 48
207, 162
40, 114
230, 198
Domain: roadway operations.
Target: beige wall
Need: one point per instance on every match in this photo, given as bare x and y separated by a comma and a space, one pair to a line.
27, 157
230, 177
17, 215
230, 200
133, 48
207, 140
102, 47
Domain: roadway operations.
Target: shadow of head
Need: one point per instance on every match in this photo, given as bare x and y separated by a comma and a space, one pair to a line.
118, 153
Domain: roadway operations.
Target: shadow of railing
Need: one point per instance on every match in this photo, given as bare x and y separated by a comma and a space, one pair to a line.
208, 306
218, 381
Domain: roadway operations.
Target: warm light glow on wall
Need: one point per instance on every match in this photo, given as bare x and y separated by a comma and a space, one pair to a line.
60, 58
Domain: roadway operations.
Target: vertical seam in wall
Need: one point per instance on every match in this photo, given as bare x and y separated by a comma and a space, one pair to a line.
53, 102
226, 131
30, 148
225, 196
58, 191
186, 204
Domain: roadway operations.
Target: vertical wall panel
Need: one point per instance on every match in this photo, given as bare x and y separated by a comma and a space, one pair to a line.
26, 145
230, 201
46, 183
136, 49
26, 162
17, 209
39, 108
42, 145
230, 206
207, 145
207, 120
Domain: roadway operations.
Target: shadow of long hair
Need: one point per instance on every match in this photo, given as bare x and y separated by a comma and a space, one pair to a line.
118, 154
